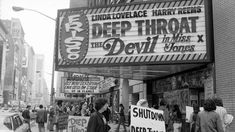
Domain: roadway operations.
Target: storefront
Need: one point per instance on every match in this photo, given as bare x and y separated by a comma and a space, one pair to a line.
166, 44
184, 89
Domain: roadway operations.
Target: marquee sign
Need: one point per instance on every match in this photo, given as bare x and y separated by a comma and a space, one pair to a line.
81, 85
147, 33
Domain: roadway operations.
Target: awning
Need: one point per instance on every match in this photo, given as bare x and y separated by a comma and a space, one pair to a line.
135, 72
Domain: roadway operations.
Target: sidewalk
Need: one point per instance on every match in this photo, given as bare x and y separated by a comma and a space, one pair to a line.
34, 127
114, 127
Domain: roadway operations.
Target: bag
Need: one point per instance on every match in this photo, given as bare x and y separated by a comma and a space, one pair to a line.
228, 119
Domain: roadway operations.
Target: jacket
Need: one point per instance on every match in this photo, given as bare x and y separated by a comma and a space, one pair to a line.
96, 123
41, 116
209, 122
26, 114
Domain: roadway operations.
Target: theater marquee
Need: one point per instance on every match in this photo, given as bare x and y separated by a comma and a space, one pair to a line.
148, 33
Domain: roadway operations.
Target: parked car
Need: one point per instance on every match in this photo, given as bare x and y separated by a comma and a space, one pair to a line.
12, 122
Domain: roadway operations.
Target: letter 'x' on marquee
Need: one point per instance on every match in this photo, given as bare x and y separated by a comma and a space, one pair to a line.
200, 38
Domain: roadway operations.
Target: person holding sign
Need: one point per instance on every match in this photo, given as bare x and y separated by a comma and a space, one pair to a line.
97, 122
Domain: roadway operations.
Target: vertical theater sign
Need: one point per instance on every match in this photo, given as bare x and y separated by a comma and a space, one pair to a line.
134, 34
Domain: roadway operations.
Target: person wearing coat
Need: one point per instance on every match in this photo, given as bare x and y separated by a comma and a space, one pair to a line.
97, 122
208, 120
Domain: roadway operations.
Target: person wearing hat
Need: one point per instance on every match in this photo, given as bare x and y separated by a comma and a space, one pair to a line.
26, 115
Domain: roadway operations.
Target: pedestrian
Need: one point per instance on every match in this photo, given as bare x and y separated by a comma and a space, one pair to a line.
58, 110
142, 103
220, 110
26, 115
41, 118
177, 118
51, 119
121, 116
165, 112
193, 118
209, 120
84, 110
97, 122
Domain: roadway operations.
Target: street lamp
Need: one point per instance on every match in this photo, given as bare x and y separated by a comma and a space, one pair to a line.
15, 8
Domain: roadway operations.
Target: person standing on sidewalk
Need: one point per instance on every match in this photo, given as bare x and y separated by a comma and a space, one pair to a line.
165, 112
220, 110
209, 120
26, 115
177, 118
41, 118
97, 122
121, 118
51, 119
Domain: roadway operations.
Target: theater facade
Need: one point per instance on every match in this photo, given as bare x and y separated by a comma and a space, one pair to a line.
163, 49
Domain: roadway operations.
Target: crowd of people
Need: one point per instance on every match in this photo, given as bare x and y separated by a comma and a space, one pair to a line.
47, 118
213, 118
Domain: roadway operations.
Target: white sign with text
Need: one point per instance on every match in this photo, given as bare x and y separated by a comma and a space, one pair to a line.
77, 123
146, 120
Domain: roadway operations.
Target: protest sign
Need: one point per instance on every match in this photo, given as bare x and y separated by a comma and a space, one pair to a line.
63, 121
146, 120
189, 111
77, 123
